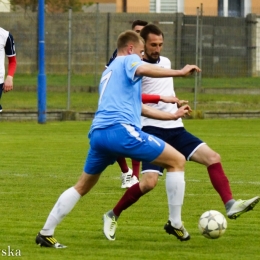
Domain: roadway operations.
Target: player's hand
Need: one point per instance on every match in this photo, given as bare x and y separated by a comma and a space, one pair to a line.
189, 69
182, 102
8, 84
183, 111
169, 99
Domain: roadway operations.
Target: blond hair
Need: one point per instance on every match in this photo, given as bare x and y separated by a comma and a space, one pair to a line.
126, 37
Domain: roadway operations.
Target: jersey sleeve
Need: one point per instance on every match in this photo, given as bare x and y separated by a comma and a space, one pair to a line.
132, 62
9, 46
11, 65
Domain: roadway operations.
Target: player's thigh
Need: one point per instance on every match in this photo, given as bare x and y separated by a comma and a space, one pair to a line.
170, 159
184, 142
205, 155
97, 161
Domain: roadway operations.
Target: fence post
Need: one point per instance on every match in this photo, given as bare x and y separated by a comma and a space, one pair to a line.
200, 46
196, 58
69, 59
178, 28
96, 45
251, 21
108, 36
41, 63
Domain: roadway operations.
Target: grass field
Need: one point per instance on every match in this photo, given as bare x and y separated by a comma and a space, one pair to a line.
30, 80
38, 162
81, 100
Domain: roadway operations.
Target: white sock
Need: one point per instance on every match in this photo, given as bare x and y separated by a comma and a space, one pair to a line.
63, 206
175, 188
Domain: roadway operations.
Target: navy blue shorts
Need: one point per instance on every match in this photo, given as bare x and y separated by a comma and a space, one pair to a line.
179, 138
107, 144
1, 89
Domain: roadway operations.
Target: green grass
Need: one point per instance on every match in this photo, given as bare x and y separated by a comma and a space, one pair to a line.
243, 83
85, 101
27, 100
30, 80
38, 162
24, 95
25, 80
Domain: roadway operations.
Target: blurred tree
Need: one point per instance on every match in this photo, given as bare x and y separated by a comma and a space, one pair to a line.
52, 6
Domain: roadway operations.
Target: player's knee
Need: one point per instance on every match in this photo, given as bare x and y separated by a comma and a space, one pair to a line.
178, 164
86, 183
148, 181
214, 158
182, 162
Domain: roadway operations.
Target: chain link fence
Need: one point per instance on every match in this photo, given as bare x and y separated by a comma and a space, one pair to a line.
82, 43
230, 47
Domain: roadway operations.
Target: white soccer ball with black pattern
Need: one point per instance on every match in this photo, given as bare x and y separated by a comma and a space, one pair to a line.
212, 224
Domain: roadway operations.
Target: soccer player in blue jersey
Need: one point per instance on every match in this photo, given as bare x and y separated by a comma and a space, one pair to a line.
129, 176
115, 131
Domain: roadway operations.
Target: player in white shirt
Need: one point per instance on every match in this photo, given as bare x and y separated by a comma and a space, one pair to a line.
7, 48
153, 85
174, 133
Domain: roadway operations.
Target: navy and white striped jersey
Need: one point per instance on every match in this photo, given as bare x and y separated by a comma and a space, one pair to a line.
7, 48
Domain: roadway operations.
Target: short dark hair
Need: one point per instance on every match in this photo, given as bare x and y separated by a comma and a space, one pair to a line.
139, 22
150, 28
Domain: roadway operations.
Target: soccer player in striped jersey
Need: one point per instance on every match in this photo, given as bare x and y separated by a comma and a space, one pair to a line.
7, 48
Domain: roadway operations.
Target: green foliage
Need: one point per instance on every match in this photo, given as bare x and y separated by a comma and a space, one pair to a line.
38, 162
63, 6
53, 6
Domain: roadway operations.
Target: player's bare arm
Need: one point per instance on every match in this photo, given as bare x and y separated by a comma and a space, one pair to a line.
169, 99
8, 84
173, 100
154, 113
152, 71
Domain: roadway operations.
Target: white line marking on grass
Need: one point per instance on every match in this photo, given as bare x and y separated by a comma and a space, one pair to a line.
236, 182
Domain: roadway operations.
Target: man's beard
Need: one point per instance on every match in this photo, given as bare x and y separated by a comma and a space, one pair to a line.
151, 59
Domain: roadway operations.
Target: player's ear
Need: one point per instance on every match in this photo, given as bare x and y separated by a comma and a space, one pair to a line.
130, 49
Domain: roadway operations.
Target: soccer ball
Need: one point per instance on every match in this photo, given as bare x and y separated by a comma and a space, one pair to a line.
212, 224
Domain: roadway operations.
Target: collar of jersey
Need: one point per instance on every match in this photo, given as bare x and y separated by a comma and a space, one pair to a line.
151, 61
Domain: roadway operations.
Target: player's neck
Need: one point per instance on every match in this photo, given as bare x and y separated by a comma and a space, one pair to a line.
151, 61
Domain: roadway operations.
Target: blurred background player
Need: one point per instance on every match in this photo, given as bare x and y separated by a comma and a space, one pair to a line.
7, 48
137, 26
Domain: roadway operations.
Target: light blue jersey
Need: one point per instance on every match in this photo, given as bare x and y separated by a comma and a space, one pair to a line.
119, 94
116, 128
